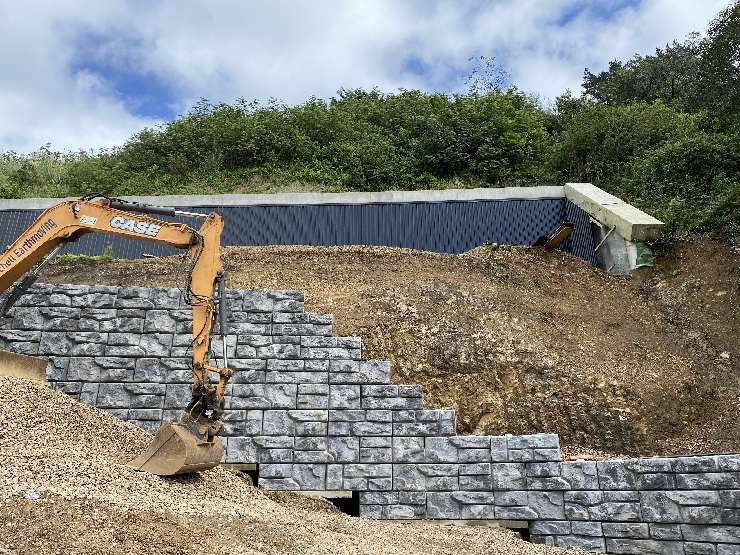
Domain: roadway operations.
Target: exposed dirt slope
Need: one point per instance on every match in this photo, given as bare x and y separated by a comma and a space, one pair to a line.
522, 340
64, 488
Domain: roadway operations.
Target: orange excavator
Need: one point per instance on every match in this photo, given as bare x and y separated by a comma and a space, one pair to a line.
191, 444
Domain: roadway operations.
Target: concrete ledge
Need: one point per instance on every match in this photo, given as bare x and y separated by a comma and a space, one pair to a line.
444, 195
241, 467
326, 494
631, 223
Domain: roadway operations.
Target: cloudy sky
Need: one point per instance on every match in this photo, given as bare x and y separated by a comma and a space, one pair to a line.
81, 74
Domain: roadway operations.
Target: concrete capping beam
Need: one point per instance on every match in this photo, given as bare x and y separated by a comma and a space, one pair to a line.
326, 494
630, 222
287, 199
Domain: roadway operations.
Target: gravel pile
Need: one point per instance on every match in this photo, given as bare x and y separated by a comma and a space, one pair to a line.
64, 488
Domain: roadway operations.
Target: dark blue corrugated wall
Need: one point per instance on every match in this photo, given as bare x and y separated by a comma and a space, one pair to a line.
449, 227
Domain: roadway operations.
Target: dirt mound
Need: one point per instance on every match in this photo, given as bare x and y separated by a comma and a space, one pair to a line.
64, 488
522, 340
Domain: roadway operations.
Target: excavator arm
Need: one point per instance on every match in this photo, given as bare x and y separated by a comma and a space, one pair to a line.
192, 444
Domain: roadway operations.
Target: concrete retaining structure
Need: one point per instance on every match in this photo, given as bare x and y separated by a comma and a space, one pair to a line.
315, 416
451, 220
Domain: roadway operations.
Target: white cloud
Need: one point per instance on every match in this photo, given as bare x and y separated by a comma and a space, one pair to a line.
40, 99
224, 49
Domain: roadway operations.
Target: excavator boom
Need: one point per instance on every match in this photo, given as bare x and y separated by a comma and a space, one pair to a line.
192, 444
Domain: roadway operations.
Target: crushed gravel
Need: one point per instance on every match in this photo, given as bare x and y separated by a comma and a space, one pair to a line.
65, 488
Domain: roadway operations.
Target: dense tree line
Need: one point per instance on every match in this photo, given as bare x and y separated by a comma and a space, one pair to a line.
661, 130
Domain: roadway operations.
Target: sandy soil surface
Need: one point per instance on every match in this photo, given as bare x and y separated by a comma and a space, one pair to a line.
523, 340
65, 488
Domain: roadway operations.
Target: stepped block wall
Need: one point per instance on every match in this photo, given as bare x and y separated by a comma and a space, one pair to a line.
304, 405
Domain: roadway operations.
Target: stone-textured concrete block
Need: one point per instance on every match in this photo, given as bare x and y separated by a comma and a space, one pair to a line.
408, 449
586, 528
547, 504
310, 476
499, 449
241, 449
543, 470
545, 441
474, 455
712, 534
478, 482
623, 545
344, 449
708, 480
408, 477
442, 506
626, 530
368, 471
159, 321
344, 397
550, 527
615, 475
589, 543
510, 498
551, 483
611, 511
665, 531
694, 548
728, 462
177, 396
581, 475
371, 428
474, 469
443, 483
508, 476
277, 423
668, 506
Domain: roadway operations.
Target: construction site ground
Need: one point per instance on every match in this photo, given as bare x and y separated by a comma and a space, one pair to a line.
65, 489
517, 340
522, 340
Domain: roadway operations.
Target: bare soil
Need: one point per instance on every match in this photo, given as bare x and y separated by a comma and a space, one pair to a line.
522, 340
65, 489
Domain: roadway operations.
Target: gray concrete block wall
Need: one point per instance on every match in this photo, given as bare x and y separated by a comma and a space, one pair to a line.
315, 416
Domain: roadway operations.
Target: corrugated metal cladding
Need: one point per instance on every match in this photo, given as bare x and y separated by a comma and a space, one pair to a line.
448, 227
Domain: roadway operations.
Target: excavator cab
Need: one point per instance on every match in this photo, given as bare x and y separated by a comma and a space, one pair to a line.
192, 444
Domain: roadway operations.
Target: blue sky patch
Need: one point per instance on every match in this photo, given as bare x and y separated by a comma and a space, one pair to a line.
604, 10
114, 60
415, 65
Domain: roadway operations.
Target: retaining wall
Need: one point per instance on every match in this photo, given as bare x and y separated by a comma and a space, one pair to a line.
315, 416
449, 221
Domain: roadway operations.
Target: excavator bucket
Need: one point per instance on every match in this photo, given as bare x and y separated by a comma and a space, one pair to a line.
23, 366
176, 450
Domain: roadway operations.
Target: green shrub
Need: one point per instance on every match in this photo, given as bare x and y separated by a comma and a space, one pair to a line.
692, 183
72, 259
600, 140
668, 162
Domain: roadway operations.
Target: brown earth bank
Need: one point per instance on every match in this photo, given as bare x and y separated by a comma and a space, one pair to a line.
65, 489
522, 340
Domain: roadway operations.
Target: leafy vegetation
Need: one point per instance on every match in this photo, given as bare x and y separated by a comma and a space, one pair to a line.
72, 259
661, 131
